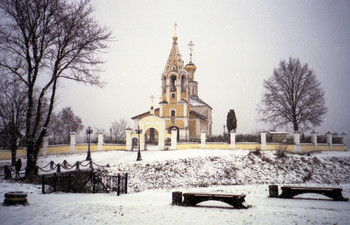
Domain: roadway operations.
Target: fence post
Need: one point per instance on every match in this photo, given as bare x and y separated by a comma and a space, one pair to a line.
43, 184
203, 137
128, 139
343, 135
51, 165
296, 138
58, 168
329, 137
126, 183
99, 141
69, 177
173, 139
77, 165
54, 182
314, 139
93, 183
233, 139
118, 189
72, 142
263, 140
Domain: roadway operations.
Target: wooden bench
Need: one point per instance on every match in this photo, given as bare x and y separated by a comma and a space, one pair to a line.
331, 192
192, 199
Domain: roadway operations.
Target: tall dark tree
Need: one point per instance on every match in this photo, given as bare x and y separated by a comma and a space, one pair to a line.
293, 96
231, 121
42, 42
64, 123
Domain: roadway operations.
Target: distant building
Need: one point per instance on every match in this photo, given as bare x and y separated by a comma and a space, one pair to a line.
180, 107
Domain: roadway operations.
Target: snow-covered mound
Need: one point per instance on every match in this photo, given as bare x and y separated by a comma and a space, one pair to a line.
253, 167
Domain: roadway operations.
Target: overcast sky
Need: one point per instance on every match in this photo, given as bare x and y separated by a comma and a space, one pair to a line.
237, 45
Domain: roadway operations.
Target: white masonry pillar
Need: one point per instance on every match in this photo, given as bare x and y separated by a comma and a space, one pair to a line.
263, 140
344, 141
329, 138
72, 142
99, 141
233, 139
203, 138
296, 137
314, 139
128, 143
173, 139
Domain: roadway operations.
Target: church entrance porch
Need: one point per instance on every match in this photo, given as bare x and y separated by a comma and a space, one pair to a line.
151, 139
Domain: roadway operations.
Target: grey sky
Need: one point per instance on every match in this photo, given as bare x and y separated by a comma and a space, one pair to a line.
237, 45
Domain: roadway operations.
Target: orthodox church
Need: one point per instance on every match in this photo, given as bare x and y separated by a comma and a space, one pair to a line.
180, 107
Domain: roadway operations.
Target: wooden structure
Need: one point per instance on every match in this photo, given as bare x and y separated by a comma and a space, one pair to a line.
291, 191
15, 198
192, 199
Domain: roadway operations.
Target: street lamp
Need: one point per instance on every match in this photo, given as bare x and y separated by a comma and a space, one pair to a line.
138, 131
88, 132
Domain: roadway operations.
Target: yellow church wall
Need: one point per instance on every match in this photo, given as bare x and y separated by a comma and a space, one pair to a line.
248, 146
192, 127
307, 147
339, 147
110, 147
183, 95
58, 149
220, 146
323, 147
84, 147
188, 146
179, 110
177, 123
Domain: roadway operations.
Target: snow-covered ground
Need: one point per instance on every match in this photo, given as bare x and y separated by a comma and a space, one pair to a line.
153, 180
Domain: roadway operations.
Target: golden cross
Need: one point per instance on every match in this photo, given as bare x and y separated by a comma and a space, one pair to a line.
152, 97
175, 25
190, 44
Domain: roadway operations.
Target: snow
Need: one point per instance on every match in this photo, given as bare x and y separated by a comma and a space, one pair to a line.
153, 180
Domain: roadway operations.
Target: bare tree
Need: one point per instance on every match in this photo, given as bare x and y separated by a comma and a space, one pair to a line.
42, 41
13, 108
118, 130
293, 95
64, 123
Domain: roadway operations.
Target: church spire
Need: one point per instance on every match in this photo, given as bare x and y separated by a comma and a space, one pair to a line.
175, 62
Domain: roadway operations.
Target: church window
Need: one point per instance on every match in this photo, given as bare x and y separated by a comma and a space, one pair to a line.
183, 81
172, 113
173, 95
174, 67
173, 83
164, 84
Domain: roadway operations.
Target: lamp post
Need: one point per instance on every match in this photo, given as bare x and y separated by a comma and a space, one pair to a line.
138, 131
88, 132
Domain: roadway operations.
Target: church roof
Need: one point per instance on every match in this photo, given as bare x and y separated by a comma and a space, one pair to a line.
196, 101
200, 116
140, 116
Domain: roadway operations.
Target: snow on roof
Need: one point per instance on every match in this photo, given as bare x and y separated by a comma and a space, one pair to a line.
196, 101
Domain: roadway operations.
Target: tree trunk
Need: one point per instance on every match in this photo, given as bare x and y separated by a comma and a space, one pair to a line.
13, 157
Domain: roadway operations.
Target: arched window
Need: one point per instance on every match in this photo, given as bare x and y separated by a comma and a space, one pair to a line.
173, 83
183, 83
172, 113
164, 84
